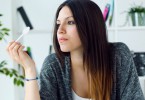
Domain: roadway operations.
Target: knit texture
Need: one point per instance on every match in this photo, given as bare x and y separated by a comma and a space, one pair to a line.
55, 80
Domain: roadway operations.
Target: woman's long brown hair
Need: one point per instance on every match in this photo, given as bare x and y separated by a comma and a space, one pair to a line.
92, 32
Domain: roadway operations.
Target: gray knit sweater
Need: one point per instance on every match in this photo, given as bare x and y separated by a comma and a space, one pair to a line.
55, 80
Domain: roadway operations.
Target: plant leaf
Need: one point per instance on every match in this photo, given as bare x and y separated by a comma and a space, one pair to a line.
1, 71
15, 81
14, 71
5, 29
6, 33
11, 75
18, 82
3, 63
21, 76
7, 72
15, 74
22, 83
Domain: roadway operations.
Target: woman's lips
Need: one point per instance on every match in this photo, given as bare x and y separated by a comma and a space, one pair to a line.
62, 40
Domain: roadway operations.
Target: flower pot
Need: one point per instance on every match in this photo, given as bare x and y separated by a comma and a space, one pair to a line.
141, 19
138, 19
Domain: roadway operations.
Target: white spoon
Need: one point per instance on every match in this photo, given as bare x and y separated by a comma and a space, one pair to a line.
24, 32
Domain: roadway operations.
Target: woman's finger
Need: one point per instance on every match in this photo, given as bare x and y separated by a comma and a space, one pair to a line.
12, 46
21, 52
10, 49
10, 43
15, 52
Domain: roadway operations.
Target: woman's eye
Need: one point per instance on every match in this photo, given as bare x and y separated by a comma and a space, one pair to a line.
71, 22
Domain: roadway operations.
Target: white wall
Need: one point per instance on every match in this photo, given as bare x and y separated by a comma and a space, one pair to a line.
41, 14
6, 84
39, 43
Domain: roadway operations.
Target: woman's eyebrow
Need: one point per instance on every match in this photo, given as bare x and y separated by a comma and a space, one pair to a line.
65, 18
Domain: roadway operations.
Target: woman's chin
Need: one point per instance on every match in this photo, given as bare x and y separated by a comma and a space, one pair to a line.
65, 49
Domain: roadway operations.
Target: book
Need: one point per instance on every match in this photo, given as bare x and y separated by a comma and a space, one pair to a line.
109, 11
106, 11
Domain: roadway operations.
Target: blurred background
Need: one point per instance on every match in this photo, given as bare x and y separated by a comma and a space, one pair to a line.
125, 20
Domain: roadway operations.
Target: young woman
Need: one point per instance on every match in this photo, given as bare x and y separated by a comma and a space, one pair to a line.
84, 66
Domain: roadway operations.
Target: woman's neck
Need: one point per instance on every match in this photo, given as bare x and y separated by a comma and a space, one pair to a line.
77, 60
79, 75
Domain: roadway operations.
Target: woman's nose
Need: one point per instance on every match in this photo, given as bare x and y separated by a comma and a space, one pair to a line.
61, 29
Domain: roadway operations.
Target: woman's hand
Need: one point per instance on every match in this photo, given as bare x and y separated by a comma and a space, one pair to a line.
16, 52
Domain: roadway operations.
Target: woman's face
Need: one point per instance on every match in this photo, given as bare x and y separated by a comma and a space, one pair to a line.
67, 33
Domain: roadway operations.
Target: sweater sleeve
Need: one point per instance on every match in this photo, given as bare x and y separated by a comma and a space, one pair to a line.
48, 83
128, 81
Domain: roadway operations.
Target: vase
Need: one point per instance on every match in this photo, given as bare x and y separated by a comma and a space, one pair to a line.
138, 19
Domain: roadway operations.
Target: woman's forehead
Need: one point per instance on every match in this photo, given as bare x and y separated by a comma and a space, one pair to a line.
64, 13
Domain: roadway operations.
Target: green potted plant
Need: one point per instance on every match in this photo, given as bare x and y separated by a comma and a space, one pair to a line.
10, 72
137, 15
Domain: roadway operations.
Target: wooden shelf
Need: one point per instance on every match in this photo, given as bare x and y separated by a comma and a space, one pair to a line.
126, 28
132, 28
